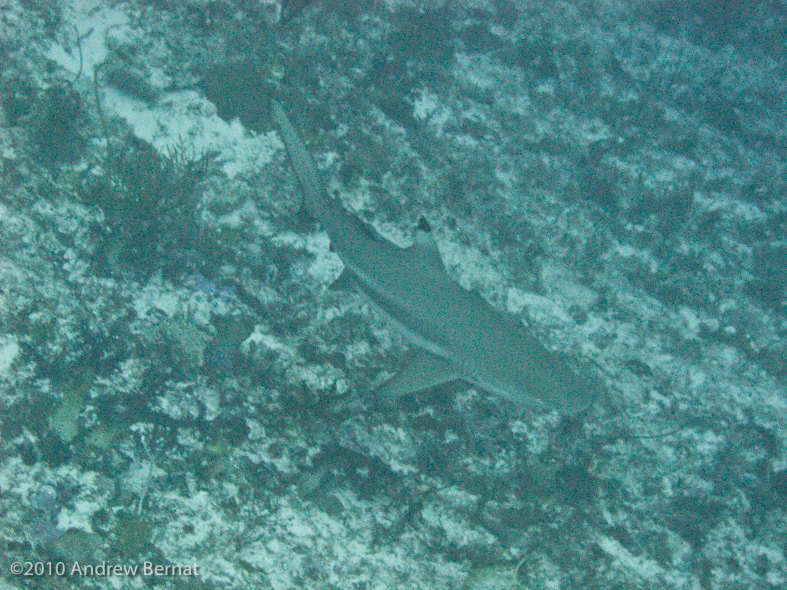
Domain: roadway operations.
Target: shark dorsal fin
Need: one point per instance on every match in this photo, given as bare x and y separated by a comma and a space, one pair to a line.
425, 246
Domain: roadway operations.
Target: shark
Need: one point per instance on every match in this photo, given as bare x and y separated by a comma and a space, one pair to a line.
455, 333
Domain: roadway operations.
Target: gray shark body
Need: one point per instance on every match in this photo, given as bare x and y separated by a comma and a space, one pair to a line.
458, 335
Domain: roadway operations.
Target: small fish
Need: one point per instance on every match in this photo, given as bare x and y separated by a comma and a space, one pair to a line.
458, 335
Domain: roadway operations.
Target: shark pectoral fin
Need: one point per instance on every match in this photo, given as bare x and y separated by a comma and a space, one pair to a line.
424, 370
345, 282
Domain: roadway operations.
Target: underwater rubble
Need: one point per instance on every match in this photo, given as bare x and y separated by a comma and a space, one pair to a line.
188, 400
